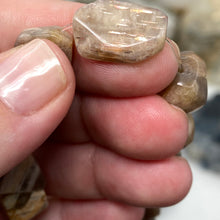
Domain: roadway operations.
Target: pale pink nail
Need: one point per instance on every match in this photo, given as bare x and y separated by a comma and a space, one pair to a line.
31, 77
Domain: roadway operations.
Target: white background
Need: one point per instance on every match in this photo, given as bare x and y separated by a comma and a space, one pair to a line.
203, 200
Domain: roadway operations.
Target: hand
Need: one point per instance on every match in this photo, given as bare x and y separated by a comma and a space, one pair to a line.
113, 151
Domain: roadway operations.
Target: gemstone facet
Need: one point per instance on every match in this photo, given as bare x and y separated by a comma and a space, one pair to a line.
22, 191
56, 34
118, 31
189, 88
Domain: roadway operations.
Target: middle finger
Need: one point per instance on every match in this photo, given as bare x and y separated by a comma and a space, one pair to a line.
84, 172
142, 128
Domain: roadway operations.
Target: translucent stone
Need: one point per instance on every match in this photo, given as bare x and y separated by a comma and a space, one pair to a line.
189, 88
22, 191
118, 31
56, 34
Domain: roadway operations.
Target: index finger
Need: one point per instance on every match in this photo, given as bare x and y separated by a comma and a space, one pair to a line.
19, 15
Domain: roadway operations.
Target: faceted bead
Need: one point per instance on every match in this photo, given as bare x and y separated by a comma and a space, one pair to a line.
118, 31
57, 35
22, 191
189, 88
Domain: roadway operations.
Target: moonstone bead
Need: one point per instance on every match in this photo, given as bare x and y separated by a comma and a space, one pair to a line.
189, 88
118, 31
56, 34
22, 191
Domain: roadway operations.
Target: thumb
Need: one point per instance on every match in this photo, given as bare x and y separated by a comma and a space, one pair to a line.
36, 89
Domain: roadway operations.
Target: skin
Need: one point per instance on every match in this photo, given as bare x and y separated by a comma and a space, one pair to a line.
110, 170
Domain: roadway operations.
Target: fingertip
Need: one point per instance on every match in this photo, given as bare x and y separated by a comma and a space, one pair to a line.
143, 183
141, 128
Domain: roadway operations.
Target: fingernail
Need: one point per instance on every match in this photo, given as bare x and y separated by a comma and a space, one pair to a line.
191, 129
8, 53
175, 48
31, 77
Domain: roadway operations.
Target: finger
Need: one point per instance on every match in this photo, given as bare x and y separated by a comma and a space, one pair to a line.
126, 80
17, 16
37, 87
142, 128
95, 210
87, 171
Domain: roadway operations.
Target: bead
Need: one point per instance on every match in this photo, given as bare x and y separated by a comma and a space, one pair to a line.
189, 88
110, 30
22, 191
57, 35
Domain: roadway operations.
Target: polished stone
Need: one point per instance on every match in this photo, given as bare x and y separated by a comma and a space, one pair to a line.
22, 191
57, 35
118, 31
189, 88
